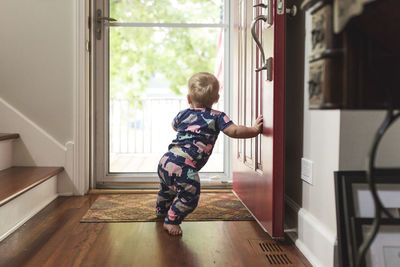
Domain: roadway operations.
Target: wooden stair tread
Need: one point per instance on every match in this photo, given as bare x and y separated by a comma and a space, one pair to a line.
15, 181
8, 136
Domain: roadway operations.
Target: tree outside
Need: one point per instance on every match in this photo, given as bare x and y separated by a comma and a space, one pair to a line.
149, 69
137, 54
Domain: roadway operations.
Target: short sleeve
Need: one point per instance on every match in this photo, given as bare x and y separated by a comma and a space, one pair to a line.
223, 121
175, 121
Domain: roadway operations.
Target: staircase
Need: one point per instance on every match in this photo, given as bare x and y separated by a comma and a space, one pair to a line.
24, 191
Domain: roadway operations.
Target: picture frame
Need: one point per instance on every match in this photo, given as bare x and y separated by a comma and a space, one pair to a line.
354, 203
385, 249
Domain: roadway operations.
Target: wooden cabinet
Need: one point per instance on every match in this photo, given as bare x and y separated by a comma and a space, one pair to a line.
357, 68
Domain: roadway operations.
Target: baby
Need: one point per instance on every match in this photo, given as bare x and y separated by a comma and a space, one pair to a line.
197, 130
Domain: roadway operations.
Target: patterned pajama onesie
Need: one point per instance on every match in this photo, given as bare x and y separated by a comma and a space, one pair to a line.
198, 129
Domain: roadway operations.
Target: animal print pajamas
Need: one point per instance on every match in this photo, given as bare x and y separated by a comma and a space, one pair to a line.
198, 129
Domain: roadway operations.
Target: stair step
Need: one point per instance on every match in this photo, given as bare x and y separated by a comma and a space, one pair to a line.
15, 181
8, 136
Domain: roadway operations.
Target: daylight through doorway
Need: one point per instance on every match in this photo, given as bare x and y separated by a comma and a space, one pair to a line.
154, 47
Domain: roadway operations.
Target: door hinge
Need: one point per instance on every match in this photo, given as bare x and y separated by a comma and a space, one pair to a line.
88, 46
280, 6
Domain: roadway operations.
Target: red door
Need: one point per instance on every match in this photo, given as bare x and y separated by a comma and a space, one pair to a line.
258, 163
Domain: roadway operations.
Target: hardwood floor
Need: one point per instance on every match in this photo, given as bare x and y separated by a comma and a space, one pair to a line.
55, 237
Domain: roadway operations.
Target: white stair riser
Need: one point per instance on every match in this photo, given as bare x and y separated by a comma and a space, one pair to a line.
16, 212
6, 154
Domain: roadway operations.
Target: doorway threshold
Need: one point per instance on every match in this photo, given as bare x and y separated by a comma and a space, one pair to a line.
205, 184
148, 191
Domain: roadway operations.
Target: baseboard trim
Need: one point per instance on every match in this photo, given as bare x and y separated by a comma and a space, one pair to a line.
36, 147
66, 194
32, 124
307, 253
313, 239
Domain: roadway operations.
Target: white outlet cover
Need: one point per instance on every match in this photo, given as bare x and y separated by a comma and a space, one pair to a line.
306, 170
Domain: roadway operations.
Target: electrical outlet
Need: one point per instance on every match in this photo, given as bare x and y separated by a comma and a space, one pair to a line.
306, 170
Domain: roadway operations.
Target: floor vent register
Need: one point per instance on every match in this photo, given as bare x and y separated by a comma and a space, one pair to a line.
274, 253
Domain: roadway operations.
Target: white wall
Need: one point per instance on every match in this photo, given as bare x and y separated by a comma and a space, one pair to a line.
321, 145
357, 131
333, 140
36, 62
312, 206
316, 217
37, 79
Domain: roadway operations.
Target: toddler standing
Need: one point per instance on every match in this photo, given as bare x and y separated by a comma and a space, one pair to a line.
197, 130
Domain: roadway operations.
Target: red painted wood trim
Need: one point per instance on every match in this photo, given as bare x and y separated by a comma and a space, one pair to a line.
279, 122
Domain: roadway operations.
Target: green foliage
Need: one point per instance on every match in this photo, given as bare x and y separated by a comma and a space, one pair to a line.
136, 54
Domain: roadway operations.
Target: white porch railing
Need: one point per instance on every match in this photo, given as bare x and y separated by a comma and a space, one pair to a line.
143, 126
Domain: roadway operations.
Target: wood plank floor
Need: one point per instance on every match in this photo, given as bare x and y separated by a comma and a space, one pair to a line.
55, 237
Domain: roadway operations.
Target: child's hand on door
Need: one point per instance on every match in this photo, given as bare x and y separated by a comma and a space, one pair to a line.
258, 124
241, 131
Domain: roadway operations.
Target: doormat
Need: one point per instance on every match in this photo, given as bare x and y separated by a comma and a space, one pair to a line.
141, 208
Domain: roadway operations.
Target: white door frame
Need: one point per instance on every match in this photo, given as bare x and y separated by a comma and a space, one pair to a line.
81, 100
99, 168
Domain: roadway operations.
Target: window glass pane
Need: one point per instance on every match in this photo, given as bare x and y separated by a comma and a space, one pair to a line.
149, 69
167, 11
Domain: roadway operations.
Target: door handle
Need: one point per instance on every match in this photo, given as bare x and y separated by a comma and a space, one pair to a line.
99, 23
261, 5
269, 6
105, 19
266, 64
255, 38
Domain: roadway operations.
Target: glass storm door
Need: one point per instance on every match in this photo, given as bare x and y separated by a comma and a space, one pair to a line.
144, 53
258, 163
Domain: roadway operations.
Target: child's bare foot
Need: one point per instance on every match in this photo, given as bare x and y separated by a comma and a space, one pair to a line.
173, 229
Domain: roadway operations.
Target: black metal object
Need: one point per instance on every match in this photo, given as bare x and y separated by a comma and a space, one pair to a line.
348, 235
358, 224
390, 118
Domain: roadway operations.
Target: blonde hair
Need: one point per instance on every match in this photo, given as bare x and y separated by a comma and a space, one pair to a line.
203, 89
